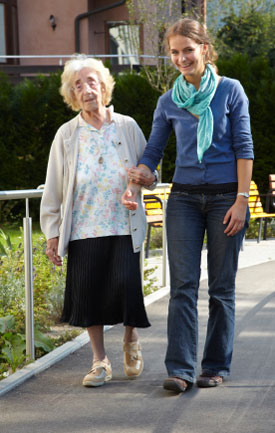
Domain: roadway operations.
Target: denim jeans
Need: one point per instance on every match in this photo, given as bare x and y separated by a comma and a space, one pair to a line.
189, 217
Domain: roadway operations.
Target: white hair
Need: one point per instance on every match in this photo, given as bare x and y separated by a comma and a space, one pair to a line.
76, 64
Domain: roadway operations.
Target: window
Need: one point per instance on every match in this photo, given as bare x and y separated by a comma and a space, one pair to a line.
2, 33
183, 7
8, 30
123, 41
187, 5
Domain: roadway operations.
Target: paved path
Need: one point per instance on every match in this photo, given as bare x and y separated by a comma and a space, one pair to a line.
55, 402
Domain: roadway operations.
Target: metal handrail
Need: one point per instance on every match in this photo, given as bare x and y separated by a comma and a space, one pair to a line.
69, 56
18, 194
27, 228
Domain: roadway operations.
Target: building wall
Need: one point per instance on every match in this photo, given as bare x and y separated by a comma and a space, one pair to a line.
36, 36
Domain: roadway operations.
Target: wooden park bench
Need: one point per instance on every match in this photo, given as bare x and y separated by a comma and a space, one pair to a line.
153, 203
271, 193
256, 208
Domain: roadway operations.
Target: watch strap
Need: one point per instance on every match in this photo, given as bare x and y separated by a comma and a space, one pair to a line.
244, 194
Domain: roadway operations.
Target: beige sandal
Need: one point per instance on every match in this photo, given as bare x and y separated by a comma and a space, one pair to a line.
133, 361
100, 373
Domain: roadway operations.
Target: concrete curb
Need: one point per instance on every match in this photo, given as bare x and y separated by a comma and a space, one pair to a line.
61, 352
42, 363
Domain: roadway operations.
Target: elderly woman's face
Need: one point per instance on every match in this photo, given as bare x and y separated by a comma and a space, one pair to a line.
88, 90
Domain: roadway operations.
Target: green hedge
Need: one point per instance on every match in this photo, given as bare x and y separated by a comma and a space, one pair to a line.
258, 80
32, 111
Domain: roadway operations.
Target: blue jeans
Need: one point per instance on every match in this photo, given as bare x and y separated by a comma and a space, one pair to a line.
189, 217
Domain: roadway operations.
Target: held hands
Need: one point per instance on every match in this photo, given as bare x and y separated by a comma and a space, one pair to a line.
235, 217
51, 251
137, 176
141, 175
129, 198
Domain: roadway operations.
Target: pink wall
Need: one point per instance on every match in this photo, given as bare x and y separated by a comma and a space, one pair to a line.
36, 36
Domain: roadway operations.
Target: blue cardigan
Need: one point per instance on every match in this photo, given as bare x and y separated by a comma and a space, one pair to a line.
232, 138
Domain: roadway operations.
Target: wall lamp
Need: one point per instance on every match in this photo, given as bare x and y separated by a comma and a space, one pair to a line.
52, 22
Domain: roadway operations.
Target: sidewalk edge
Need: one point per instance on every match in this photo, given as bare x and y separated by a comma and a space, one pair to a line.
61, 352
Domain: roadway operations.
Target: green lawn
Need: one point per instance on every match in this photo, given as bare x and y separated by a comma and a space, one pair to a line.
15, 232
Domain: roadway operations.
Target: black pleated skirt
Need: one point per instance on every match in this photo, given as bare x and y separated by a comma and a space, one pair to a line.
103, 285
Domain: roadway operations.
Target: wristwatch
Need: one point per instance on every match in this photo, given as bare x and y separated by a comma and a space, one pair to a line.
154, 184
244, 194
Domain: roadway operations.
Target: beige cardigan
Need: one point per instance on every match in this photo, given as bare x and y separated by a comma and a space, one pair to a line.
61, 172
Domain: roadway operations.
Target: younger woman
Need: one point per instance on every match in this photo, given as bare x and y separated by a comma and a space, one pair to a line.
210, 118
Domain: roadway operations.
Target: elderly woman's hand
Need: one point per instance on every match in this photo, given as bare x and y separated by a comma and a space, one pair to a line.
129, 198
141, 175
51, 251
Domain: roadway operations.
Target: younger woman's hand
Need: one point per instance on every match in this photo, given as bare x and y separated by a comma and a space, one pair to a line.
235, 217
141, 175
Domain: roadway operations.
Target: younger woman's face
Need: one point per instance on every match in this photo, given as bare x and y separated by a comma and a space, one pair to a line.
188, 56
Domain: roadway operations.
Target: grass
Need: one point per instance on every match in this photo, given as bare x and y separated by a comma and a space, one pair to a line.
15, 232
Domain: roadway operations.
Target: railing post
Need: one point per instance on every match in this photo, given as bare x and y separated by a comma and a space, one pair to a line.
164, 242
142, 256
141, 260
29, 320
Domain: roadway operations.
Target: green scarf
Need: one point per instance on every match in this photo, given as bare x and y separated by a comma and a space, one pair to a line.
197, 102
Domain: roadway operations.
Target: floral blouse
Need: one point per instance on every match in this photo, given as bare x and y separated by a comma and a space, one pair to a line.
101, 179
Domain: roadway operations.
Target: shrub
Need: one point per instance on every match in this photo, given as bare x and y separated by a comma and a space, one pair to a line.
48, 284
30, 115
258, 79
134, 96
13, 346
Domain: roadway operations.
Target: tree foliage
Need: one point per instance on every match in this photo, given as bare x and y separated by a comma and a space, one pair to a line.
154, 17
250, 33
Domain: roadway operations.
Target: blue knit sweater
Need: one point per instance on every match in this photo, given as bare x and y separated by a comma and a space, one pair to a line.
232, 138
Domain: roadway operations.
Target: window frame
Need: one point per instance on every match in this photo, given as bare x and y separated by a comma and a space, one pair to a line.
109, 24
11, 30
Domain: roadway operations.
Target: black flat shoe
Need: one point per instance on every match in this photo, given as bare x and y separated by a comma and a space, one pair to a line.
175, 384
206, 380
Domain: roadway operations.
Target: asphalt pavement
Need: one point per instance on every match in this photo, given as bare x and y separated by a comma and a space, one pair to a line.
54, 401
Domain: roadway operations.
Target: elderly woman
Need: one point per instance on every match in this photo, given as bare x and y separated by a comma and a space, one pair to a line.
81, 212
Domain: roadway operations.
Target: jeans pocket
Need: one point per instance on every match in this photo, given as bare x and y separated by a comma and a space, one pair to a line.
178, 194
227, 196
